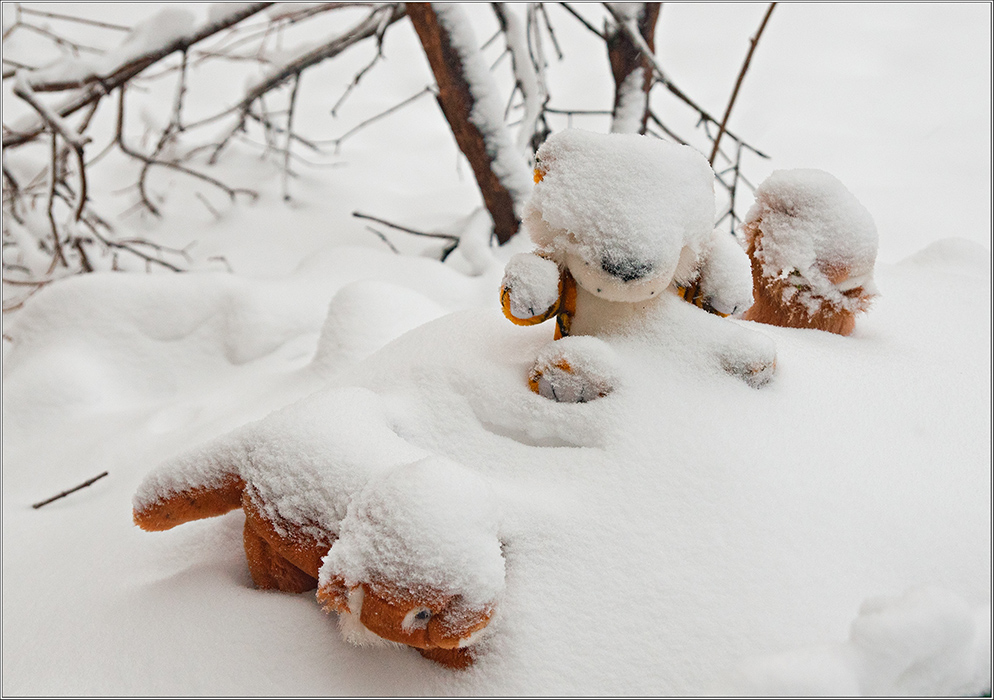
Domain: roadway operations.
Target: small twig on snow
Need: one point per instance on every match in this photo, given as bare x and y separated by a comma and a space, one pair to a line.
72, 490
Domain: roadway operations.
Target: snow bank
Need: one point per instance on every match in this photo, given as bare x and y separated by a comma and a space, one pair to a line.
633, 196
812, 225
926, 642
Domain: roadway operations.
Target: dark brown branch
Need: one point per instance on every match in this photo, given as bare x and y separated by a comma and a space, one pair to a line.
738, 82
405, 229
626, 58
664, 80
582, 21
455, 97
72, 490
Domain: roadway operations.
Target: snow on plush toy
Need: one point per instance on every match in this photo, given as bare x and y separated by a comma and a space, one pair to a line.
403, 545
623, 225
813, 247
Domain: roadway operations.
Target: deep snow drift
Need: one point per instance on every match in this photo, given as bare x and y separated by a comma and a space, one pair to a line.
684, 534
828, 533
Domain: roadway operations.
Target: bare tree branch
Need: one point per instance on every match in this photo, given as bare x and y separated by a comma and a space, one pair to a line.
102, 85
738, 82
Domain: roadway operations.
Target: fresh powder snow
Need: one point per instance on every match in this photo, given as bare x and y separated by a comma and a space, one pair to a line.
826, 534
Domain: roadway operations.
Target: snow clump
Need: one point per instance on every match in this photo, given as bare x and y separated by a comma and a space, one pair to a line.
623, 196
535, 281
427, 526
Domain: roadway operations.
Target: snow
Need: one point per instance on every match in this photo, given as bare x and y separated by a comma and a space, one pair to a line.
810, 224
535, 284
726, 275
685, 535
632, 196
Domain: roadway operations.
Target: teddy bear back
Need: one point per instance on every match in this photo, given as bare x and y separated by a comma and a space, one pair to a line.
806, 224
620, 194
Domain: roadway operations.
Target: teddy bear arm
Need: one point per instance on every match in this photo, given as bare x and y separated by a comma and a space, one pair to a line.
507, 302
269, 569
193, 503
299, 549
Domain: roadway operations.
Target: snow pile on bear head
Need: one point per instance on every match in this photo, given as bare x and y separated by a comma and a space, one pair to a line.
626, 214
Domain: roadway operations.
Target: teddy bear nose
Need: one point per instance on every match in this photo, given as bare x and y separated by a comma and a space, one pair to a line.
626, 269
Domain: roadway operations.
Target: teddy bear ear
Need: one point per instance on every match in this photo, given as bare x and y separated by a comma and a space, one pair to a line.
333, 594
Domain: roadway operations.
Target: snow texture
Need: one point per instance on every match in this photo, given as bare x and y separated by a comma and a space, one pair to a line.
811, 224
925, 642
431, 525
624, 195
487, 114
534, 284
726, 274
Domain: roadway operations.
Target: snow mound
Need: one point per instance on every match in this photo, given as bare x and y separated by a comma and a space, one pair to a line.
926, 642
813, 227
431, 525
625, 195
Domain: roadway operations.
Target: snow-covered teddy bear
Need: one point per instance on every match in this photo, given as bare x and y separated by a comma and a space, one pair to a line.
402, 544
623, 226
813, 247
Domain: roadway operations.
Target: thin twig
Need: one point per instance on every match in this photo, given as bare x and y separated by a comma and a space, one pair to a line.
383, 238
337, 142
584, 22
405, 229
72, 490
738, 82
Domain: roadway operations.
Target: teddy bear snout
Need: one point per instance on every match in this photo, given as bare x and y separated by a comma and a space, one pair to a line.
626, 269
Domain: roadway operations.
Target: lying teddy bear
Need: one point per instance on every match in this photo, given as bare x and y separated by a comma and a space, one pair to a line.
351, 511
623, 226
813, 247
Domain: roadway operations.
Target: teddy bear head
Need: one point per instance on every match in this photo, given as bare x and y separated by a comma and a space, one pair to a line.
625, 214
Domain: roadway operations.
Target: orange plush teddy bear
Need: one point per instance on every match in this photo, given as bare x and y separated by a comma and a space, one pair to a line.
624, 229
813, 248
335, 500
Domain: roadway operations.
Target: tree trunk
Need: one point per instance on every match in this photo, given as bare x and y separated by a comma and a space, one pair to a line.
457, 98
631, 87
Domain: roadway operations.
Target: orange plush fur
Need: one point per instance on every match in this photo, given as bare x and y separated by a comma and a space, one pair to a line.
281, 556
770, 306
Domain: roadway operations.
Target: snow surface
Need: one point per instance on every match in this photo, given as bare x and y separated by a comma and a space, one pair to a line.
685, 535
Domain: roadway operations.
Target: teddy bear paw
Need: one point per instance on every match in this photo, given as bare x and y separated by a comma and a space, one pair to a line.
573, 370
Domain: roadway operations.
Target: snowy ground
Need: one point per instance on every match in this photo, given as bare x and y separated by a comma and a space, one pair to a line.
827, 534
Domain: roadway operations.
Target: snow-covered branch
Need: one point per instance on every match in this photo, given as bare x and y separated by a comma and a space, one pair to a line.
468, 97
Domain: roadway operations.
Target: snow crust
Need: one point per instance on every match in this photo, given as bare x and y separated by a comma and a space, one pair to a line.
633, 196
810, 224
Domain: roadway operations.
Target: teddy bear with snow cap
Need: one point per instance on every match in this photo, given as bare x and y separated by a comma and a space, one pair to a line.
623, 226
402, 544
813, 247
